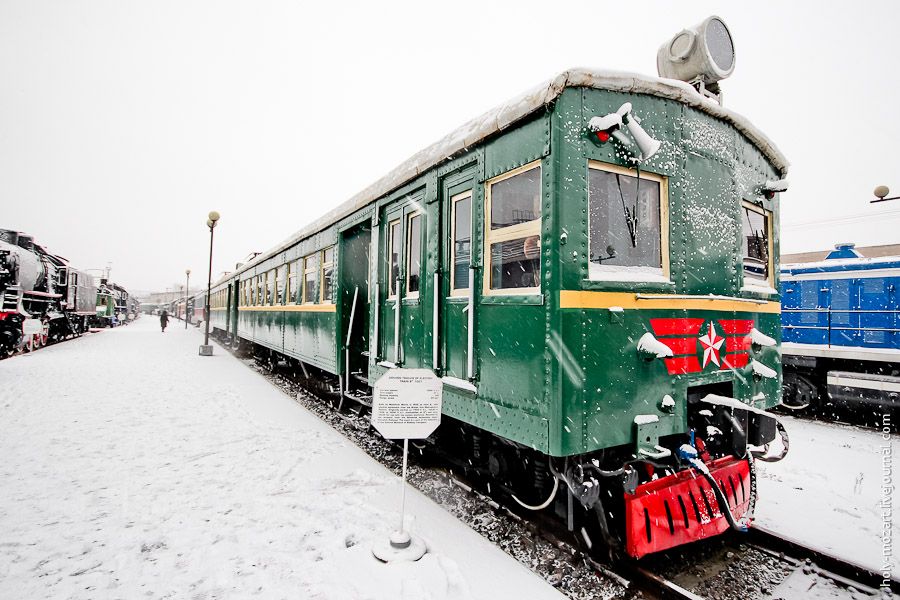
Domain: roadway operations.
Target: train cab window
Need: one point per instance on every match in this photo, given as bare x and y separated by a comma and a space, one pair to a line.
756, 225
396, 242
628, 226
461, 248
414, 256
513, 244
327, 274
310, 268
292, 282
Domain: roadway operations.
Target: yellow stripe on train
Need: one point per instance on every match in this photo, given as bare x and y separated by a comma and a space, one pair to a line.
630, 300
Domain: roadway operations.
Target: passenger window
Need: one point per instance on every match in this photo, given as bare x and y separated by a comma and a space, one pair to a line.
756, 223
309, 279
461, 249
327, 272
279, 285
292, 283
414, 258
270, 288
395, 246
627, 224
514, 231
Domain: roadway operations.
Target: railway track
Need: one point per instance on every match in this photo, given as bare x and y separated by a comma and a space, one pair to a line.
758, 565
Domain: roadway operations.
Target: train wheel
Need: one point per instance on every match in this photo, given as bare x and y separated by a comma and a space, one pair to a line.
799, 393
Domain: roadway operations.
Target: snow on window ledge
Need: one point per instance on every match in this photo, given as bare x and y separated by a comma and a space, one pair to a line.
460, 383
760, 288
611, 273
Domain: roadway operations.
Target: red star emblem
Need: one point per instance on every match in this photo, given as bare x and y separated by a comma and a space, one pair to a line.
711, 344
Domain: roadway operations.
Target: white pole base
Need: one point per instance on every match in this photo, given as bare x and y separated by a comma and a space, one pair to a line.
401, 547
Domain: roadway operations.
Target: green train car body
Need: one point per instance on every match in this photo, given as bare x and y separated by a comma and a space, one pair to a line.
531, 261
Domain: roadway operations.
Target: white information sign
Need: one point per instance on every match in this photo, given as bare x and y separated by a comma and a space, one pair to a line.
32, 326
407, 404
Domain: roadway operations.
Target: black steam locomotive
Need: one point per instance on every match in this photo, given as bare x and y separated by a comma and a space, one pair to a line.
42, 298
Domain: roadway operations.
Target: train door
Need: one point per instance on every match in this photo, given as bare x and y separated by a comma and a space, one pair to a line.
227, 307
233, 309
401, 284
457, 300
354, 286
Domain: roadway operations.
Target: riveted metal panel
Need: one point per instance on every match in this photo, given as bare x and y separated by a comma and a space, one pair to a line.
524, 428
519, 146
710, 167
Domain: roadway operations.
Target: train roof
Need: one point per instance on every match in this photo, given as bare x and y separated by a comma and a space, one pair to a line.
515, 110
840, 265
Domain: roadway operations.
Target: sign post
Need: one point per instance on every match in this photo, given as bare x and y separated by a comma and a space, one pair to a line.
406, 405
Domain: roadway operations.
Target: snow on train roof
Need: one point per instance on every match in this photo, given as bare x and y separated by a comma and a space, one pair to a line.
516, 109
836, 265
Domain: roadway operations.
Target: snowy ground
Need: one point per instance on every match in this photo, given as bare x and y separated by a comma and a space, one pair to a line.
828, 492
132, 467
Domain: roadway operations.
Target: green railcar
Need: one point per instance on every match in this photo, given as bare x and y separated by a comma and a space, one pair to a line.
605, 322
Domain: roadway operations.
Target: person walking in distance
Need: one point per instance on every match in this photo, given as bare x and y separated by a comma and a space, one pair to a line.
163, 320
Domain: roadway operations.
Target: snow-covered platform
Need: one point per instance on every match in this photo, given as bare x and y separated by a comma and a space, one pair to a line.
836, 491
132, 467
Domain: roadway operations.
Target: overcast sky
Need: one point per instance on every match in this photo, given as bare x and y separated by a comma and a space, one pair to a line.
123, 123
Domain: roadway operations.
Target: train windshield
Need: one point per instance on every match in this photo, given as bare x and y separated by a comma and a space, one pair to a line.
625, 222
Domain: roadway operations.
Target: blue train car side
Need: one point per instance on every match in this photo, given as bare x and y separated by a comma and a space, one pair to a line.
841, 330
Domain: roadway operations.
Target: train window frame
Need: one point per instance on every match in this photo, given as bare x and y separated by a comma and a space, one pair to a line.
661, 274
454, 202
525, 230
280, 280
326, 289
310, 267
758, 284
394, 276
292, 290
270, 287
260, 289
409, 250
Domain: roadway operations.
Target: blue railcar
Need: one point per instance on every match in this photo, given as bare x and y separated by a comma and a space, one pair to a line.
841, 330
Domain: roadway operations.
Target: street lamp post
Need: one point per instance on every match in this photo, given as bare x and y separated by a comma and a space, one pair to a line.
206, 349
187, 292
